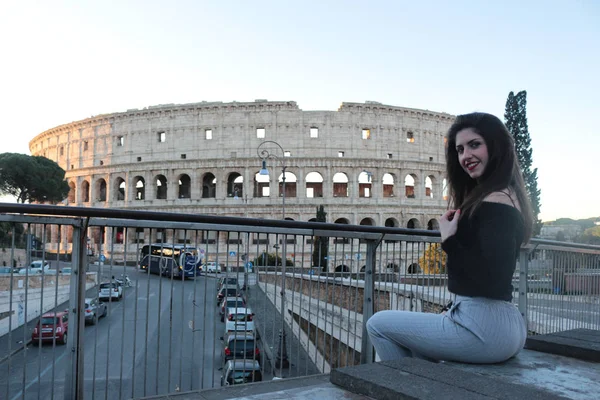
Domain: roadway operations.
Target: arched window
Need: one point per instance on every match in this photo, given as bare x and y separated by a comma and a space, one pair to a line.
140, 188
120, 189
85, 192
314, 185
364, 184
261, 185
290, 184
409, 186
429, 181
209, 186
101, 189
185, 187
413, 223
161, 187
388, 185
340, 185
445, 189
433, 225
71, 196
235, 185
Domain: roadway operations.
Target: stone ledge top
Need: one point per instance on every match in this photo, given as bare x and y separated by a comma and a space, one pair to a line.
411, 378
582, 344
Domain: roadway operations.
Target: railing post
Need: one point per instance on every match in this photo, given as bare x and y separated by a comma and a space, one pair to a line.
366, 354
74, 382
523, 275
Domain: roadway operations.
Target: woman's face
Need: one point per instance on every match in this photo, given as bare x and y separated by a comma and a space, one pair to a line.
472, 152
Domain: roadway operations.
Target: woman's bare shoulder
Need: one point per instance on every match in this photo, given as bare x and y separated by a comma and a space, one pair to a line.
503, 197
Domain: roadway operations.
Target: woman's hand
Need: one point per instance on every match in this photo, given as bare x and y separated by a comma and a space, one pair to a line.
449, 223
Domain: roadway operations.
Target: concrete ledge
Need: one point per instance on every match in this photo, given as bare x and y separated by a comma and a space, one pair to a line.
411, 378
308, 387
583, 344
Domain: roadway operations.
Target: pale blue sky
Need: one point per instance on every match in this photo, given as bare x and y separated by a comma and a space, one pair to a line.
64, 61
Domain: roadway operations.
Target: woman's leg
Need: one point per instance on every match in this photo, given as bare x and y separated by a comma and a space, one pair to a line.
472, 331
397, 334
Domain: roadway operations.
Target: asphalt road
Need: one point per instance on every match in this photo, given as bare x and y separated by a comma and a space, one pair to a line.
162, 337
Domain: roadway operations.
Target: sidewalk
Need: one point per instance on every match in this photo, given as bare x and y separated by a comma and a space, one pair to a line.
268, 323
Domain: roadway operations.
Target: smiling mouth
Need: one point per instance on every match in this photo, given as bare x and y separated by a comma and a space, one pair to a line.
471, 165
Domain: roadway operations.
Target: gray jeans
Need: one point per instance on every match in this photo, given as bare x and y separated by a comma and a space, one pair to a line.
475, 330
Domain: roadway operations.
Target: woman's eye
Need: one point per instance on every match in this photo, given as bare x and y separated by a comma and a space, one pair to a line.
475, 145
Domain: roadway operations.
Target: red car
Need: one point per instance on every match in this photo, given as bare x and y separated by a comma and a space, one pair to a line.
51, 325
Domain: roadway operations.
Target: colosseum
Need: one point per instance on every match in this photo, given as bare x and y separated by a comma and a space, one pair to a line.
366, 163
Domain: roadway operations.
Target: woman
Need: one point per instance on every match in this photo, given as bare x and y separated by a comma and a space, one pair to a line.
489, 218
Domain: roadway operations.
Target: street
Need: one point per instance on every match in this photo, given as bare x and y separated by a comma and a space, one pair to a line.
162, 337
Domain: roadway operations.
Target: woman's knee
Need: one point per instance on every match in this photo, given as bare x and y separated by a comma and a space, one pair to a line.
377, 320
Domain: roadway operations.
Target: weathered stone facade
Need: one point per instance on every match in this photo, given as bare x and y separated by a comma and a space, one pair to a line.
367, 163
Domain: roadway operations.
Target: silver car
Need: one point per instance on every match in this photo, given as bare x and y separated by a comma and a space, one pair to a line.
94, 310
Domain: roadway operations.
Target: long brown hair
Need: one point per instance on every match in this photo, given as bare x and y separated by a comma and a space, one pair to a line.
502, 170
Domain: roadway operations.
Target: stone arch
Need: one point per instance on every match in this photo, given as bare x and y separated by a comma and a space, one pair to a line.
342, 221
393, 266
261, 185
185, 186
235, 185
72, 192
101, 189
162, 189
365, 187
388, 184
119, 188
340, 185
413, 268
413, 223
140, 188
367, 221
209, 186
429, 185
433, 225
445, 189
342, 268
410, 181
314, 184
392, 223
290, 184
85, 191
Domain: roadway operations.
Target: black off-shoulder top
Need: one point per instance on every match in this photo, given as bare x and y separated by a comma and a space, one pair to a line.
482, 254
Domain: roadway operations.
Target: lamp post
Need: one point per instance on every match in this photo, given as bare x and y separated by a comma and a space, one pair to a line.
265, 152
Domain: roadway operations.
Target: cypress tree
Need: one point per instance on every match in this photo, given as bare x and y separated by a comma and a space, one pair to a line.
515, 116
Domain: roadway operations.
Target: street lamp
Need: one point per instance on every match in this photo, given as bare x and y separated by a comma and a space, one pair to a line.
264, 154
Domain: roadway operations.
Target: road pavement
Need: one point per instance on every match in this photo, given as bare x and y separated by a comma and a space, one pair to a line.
162, 337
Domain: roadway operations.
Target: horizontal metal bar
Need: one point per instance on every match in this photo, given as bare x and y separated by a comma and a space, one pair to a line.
28, 219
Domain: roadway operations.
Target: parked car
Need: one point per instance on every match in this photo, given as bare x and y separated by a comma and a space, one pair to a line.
36, 267
226, 280
230, 302
240, 320
212, 266
94, 310
240, 371
240, 346
6, 270
228, 291
51, 325
110, 290
66, 270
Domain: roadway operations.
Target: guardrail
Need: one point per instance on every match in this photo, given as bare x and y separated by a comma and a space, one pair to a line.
311, 287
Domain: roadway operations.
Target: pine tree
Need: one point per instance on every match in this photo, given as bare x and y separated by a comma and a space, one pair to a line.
320, 244
515, 116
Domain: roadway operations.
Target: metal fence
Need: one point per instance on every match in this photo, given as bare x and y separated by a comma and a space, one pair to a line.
311, 287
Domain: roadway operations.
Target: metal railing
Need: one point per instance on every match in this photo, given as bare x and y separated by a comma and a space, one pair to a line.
311, 288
